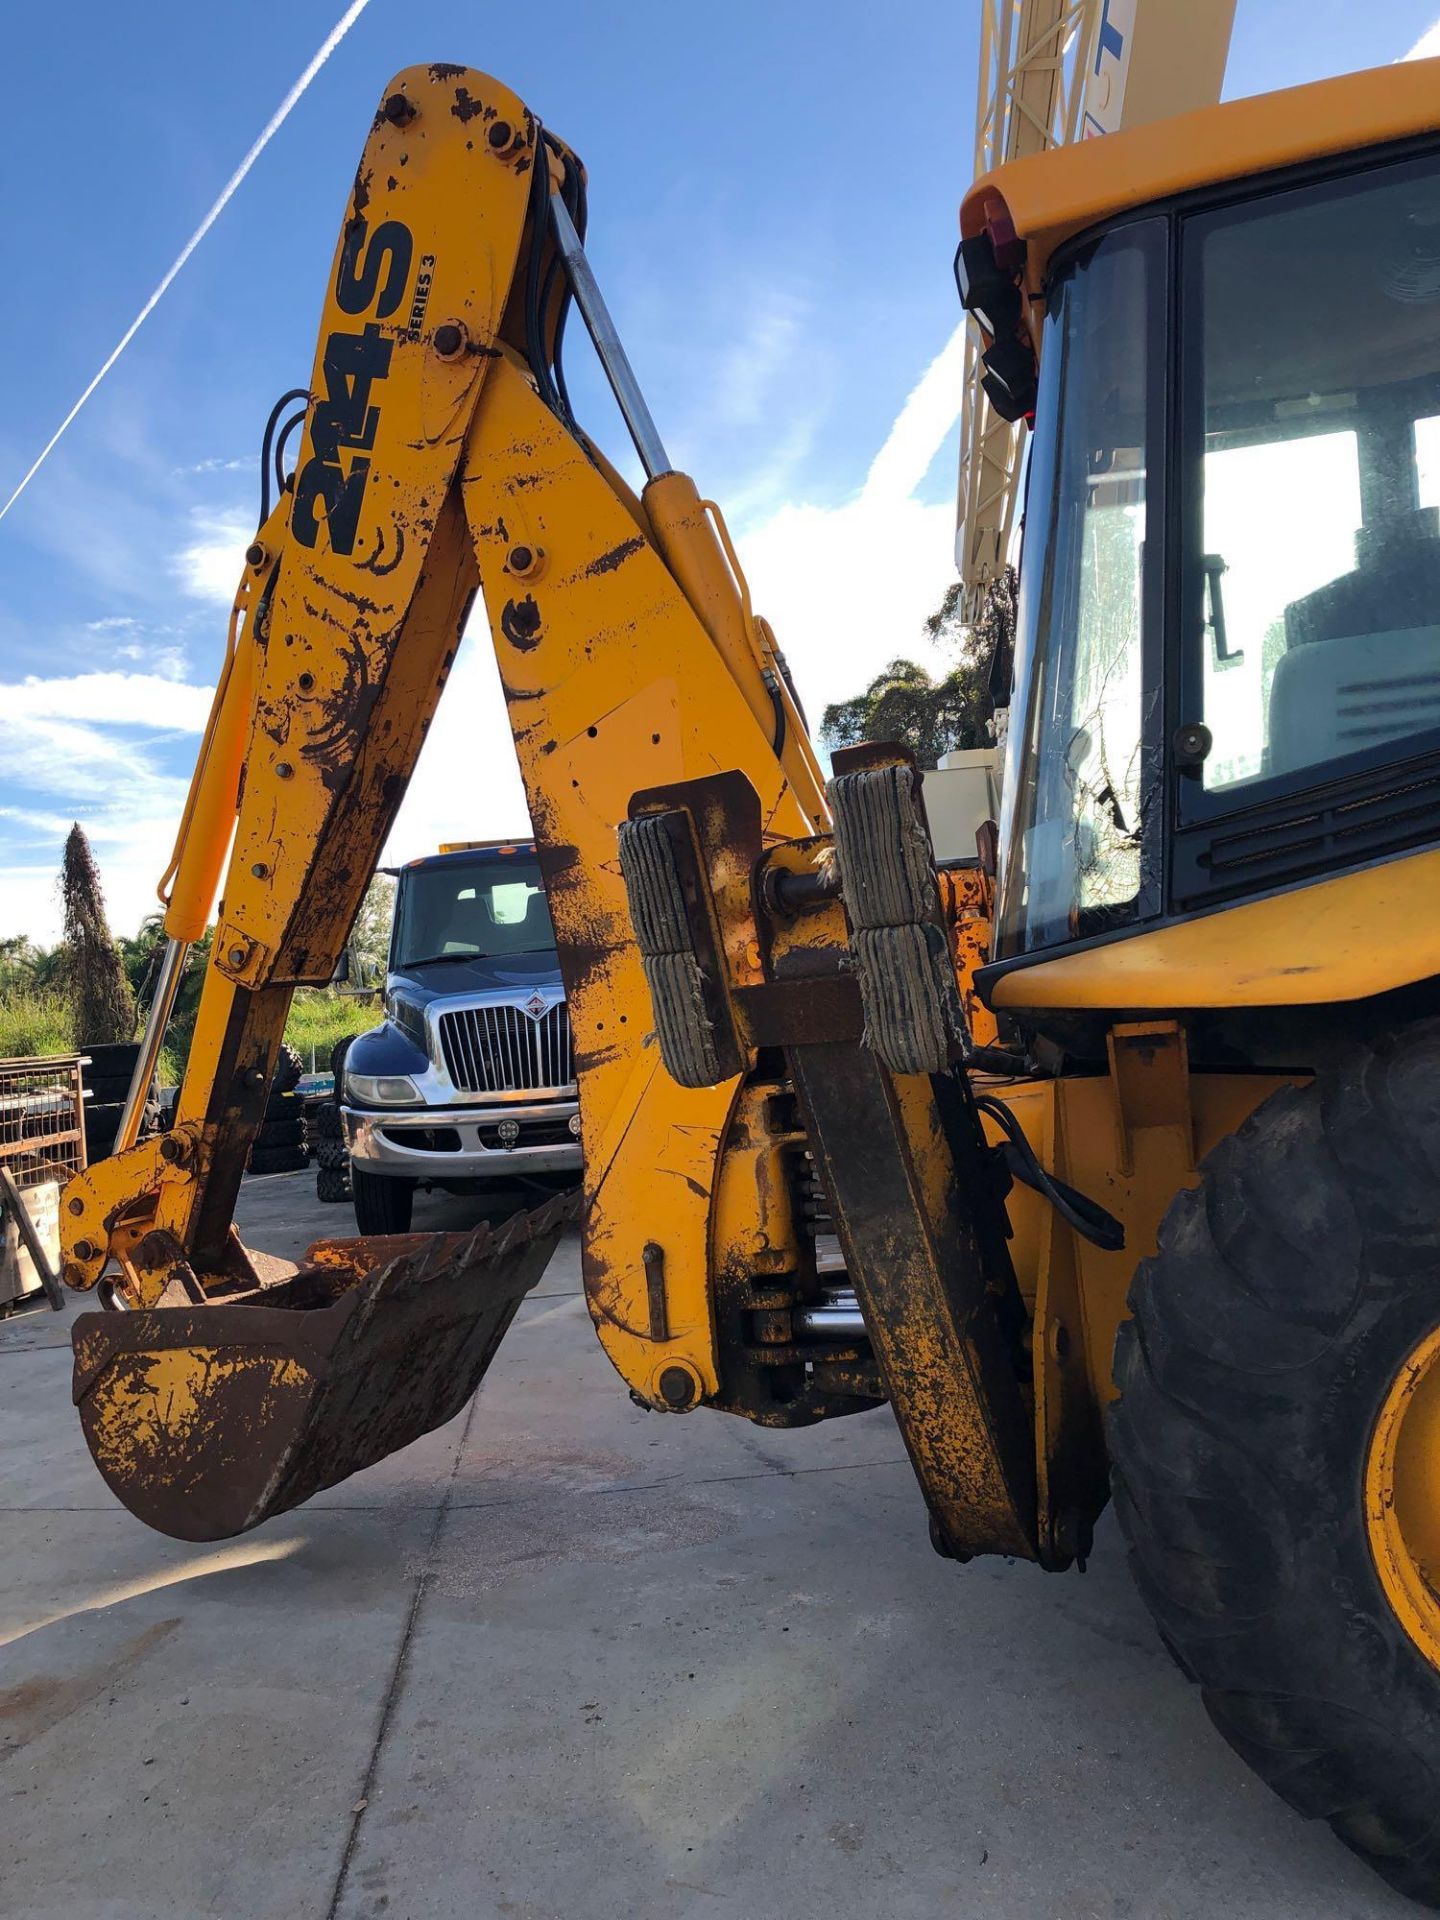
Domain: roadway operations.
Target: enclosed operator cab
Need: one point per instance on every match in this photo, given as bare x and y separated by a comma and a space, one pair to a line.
1227, 683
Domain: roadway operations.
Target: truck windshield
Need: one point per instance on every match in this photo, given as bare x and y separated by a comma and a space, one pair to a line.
463, 910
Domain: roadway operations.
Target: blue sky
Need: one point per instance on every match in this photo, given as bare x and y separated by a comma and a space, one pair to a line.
773, 195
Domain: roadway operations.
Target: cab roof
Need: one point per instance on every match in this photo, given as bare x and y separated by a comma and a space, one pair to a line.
459, 852
1052, 196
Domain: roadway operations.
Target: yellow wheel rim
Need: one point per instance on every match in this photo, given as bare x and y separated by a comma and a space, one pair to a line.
1402, 1496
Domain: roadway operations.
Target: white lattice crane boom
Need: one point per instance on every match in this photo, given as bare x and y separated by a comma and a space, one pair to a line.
1052, 71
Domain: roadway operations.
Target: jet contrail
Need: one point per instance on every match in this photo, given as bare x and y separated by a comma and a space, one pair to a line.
272, 127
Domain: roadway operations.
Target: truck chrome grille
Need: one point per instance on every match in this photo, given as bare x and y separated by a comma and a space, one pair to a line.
502, 1050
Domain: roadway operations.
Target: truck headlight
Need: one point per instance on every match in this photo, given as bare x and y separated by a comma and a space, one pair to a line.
575, 1125
383, 1089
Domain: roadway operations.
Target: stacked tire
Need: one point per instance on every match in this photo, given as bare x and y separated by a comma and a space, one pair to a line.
327, 1136
107, 1081
279, 1146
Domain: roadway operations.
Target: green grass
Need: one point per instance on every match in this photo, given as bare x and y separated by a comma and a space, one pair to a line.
171, 1069
34, 1023
318, 1018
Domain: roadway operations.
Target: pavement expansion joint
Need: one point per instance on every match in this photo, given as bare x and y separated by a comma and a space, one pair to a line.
397, 1673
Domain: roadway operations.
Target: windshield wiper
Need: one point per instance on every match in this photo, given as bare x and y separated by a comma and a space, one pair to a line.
434, 959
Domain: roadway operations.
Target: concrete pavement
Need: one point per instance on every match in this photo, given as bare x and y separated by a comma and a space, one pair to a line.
565, 1660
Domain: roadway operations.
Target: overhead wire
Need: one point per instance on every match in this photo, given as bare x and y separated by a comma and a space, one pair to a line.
227, 192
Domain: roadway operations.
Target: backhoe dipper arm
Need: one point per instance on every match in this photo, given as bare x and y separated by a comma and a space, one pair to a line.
665, 763
438, 454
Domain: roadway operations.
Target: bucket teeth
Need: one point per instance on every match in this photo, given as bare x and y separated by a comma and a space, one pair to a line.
206, 1420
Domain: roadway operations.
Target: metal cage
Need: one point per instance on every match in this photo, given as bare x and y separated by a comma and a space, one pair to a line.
42, 1119
42, 1146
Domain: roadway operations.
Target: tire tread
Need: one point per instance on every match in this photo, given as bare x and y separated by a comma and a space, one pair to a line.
1224, 1462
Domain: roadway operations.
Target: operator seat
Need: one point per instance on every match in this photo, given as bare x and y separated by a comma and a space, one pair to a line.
1362, 659
472, 925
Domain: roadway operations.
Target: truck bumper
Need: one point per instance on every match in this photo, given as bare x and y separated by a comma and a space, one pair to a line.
444, 1144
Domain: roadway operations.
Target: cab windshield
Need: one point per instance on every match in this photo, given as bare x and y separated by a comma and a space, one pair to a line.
1074, 802
1272, 625
482, 909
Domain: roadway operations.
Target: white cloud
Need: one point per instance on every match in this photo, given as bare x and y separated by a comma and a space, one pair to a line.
848, 588
170, 663
467, 784
131, 834
151, 700
1427, 47
81, 746
743, 384
119, 636
131, 860
738, 381
209, 565
924, 425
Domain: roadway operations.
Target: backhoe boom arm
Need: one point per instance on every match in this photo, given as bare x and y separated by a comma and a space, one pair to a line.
440, 456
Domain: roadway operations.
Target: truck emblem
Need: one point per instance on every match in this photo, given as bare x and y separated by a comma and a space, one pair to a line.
535, 1005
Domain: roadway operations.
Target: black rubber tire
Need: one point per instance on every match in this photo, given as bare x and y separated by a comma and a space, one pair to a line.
278, 1160
102, 1122
324, 1122
281, 1133
282, 1106
332, 1154
111, 1060
331, 1184
1288, 1289
382, 1204
288, 1069
106, 1087
337, 1063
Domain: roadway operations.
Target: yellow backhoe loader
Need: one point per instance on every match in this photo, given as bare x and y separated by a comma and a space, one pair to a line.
1129, 1133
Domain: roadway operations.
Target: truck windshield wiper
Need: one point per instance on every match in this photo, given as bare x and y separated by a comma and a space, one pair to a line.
434, 959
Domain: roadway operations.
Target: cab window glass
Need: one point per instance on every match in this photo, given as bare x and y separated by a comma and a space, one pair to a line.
484, 911
1312, 404
1075, 776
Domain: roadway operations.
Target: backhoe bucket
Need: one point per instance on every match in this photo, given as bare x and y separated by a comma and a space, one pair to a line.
206, 1420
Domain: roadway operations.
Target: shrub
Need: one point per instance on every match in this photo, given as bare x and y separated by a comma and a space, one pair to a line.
318, 1018
34, 1022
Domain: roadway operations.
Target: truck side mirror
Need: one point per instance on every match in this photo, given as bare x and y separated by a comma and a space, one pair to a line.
344, 969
